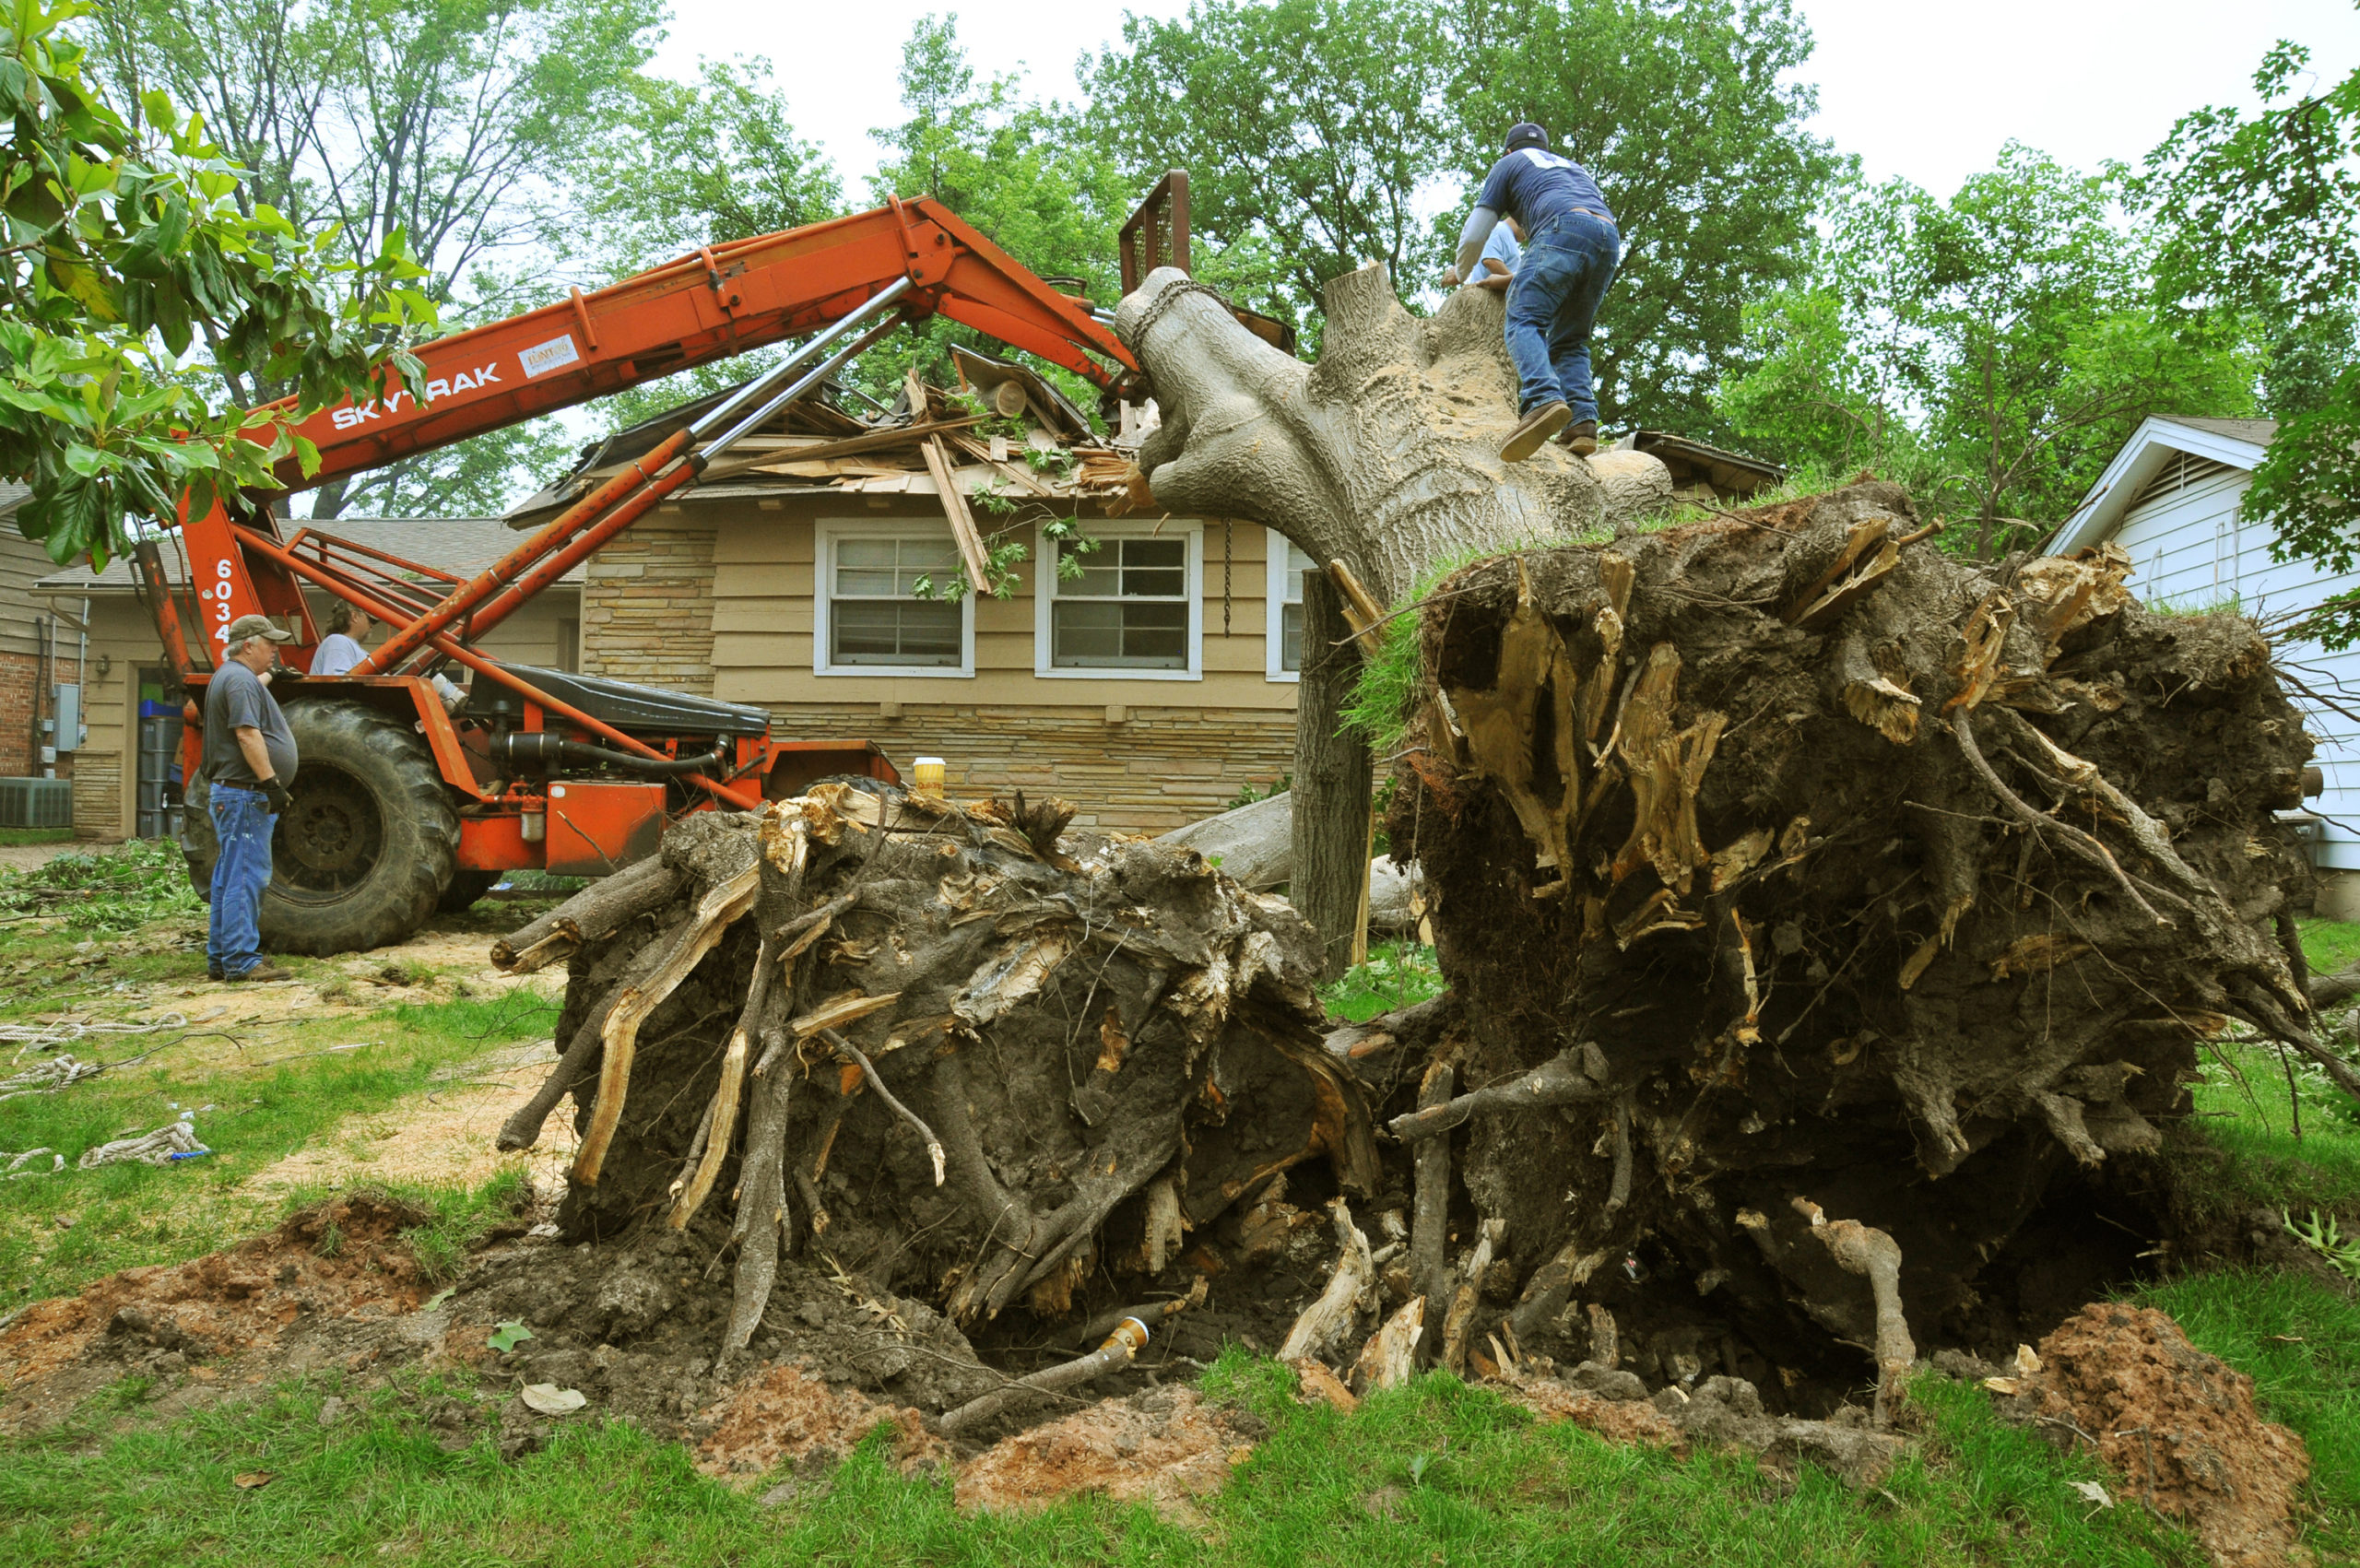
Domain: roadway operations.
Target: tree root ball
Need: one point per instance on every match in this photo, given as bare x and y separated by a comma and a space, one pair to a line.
945, 1052
1810, 895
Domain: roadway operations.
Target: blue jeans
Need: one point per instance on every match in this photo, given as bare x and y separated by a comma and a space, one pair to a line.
1553, 302
242, 823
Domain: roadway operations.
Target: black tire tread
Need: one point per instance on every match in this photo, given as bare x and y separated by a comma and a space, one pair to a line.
419, 813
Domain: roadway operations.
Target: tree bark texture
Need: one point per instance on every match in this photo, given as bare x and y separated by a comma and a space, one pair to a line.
1384, 456
1333, 779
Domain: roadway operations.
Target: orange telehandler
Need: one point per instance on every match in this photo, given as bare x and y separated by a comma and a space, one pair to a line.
401, 804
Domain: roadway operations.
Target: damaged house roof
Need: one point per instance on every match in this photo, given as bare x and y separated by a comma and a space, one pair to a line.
820, 444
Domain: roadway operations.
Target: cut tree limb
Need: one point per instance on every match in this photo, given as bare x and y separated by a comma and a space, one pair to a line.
596, 912
713, 915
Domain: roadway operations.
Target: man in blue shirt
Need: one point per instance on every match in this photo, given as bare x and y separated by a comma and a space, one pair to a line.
250, 758
1571, 251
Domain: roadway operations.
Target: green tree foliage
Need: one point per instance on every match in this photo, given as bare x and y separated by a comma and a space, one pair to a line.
1992, 349
692, 164
1307, 127
2264, 217
452, 122
1024, 171
127, 244
697, 163
1689, 114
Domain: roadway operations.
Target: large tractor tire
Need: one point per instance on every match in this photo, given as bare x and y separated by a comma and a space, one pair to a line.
370, 846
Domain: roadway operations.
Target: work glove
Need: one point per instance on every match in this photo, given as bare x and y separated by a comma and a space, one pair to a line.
275, 793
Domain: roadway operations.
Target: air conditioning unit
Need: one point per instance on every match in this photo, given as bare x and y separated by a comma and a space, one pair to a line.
35, 803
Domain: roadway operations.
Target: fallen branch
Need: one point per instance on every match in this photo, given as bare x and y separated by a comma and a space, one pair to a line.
1126, 1342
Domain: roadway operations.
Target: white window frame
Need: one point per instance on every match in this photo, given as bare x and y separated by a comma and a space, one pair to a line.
824, 536
1275, 546
1044, 593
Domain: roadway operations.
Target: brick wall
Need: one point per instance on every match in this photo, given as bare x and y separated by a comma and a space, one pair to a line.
647, 606
1160, 769
19, 674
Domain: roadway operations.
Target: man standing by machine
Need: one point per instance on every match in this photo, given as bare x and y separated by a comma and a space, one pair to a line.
1571, 249
249, 758
342, 647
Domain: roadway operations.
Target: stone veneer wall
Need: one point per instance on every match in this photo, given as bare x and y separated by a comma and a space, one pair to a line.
98, 795
647, 606
1157, 770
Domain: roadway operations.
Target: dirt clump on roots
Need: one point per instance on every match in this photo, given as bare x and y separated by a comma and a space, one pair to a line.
2178, 1427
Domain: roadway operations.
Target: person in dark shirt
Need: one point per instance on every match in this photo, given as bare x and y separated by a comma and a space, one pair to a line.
1571, 250
249, 759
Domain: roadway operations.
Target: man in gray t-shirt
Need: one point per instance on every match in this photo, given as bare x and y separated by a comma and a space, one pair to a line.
249, 759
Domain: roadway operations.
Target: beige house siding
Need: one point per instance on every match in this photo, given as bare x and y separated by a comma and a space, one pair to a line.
123, 641
1157, 770
1135, 754
647, 604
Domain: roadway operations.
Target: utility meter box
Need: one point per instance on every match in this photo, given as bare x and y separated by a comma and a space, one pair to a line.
68, 710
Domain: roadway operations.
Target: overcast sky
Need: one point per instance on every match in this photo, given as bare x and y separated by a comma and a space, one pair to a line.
1927, 91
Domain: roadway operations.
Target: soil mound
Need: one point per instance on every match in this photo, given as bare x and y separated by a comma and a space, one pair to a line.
2178, 1426
1165, 1448
334, 1262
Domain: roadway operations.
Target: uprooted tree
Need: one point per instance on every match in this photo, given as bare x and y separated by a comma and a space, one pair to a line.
1832, 928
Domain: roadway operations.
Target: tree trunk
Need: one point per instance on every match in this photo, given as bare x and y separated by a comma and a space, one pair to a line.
1385, 456
1332, 780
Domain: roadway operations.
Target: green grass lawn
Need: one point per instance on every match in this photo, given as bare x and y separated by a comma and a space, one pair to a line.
118, 936
1437, 1473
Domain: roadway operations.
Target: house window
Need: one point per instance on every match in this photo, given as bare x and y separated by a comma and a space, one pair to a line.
569, 645
1129, 609
869, 617
1288, 562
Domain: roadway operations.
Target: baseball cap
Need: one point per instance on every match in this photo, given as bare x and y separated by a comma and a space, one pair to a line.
247, 626
1525, 135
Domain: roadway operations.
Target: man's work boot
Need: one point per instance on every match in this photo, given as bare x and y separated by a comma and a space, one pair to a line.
1534, 433
214, 971
1581, 437
262, 971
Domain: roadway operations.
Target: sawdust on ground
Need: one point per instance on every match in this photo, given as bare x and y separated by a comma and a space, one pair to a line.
1165, 1448
786, 1414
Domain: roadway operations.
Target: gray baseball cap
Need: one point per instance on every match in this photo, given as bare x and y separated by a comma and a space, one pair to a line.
247, 626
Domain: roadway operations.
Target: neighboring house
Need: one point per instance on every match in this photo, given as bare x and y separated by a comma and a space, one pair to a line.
123, 778
1148, 692
2169, 500
36, 654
